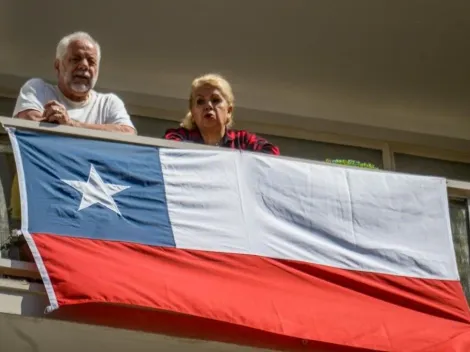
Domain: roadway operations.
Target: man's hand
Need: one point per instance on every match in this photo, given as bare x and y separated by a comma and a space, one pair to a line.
55, 112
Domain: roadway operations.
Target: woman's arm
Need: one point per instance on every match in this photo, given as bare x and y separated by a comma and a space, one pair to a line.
259, 144
176, 134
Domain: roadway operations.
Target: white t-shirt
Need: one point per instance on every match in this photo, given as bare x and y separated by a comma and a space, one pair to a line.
98, 109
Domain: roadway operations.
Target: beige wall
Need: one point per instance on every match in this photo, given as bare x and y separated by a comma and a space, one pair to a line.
322, 70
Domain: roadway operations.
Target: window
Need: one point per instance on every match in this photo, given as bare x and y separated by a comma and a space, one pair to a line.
429, 166
459, 222
299, 148
7, 106
7, 171
151, 127
458, 208
321, 151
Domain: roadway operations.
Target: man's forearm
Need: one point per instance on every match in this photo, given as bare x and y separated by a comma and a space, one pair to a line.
32, 115
38, 116
108, 127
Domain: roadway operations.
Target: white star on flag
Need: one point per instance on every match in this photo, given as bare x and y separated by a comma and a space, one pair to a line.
95, 191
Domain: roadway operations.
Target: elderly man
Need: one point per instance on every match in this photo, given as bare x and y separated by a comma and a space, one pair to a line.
73, 102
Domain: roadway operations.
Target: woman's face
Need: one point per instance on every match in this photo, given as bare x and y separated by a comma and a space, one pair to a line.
209, 109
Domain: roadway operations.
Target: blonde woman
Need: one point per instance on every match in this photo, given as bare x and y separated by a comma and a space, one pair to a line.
210, 117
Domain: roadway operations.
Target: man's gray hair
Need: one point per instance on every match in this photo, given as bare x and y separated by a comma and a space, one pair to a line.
65, 42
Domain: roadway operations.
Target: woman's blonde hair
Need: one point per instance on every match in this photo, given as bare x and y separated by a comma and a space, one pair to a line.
213, 80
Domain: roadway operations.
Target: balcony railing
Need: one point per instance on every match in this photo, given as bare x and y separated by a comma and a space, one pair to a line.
21, 292
23, 326
22, 295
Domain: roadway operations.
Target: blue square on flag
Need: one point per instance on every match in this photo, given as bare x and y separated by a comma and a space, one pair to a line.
94, 189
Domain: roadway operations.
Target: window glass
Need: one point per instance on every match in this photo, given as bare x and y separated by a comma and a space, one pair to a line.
321, 151
459, 223
429, 166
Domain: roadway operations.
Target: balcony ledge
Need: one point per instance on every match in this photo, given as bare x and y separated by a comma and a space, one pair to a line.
25, 328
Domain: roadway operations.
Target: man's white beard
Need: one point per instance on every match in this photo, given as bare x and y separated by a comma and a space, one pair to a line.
81, 87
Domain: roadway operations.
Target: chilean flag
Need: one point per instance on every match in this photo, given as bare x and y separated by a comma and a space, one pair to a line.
265, 250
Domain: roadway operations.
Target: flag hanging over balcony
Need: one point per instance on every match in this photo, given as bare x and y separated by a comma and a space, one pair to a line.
331, 257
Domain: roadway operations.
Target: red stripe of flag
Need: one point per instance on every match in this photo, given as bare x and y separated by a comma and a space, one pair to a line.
288, 299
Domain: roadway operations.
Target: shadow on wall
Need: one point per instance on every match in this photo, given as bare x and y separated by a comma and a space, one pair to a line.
6, 106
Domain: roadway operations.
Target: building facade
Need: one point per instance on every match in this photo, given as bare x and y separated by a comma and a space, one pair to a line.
370, 81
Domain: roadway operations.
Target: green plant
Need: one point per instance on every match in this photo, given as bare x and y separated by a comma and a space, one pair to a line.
348, 162
11, 246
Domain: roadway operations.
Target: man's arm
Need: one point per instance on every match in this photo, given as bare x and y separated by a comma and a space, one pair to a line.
35, 115
118, 119
55, 112
28, 104
106, 127
30, 114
